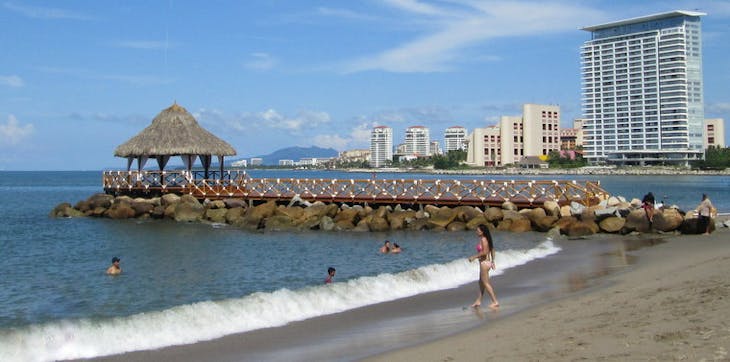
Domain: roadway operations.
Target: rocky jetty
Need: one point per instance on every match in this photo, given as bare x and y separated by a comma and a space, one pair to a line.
614, 215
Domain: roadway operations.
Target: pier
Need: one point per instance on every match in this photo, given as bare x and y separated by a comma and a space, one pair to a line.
237, 184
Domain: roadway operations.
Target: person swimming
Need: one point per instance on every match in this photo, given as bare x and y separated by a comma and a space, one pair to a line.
330, 275
114, 269
396, 249
385, 249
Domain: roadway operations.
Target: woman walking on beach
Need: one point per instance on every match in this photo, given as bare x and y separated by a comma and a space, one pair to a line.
485, 254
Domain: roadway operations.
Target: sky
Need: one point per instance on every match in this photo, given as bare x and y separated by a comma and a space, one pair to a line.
79, 78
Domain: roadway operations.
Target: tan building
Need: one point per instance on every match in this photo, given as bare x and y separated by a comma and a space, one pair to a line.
535, 133
713, 132
355, 155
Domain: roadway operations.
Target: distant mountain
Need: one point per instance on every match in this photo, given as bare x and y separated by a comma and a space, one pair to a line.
293, 153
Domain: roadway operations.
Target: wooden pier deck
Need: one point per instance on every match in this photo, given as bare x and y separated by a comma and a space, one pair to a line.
236, 184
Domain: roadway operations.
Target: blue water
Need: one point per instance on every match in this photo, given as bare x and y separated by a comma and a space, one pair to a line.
56, 302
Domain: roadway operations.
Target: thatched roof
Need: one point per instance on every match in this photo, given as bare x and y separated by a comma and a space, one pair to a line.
174, 132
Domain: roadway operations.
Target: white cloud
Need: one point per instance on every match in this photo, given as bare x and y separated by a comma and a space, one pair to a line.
466, 23
269, 119
261, 61
331, 141
12, 132
40, 12
11, 80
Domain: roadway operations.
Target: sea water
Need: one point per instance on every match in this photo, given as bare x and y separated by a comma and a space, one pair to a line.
184, 283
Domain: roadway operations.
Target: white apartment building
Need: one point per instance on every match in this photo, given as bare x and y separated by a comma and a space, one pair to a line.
435, 148
641, 85
535, 133
381, 146
454, 138
714, 132
418, 141
257, 161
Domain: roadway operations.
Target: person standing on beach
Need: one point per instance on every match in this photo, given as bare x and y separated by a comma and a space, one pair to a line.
485, 254
330, 275
705, 210
114, 269
647, 203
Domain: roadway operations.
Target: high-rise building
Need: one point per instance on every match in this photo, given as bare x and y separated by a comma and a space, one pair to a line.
381, 146
454, 138
418, 141
714, 132
642, 90
435, 148
535, 133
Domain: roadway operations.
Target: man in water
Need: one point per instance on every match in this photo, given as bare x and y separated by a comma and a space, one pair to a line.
114, 269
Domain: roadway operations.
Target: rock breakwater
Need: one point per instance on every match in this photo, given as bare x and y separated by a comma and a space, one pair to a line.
614, 215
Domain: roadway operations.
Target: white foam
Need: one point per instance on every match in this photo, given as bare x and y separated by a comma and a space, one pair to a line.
85, 338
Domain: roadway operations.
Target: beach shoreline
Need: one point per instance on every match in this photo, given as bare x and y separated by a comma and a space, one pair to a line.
673, 304
364, 332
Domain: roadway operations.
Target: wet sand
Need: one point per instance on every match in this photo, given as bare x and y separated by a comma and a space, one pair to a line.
364, 332
673, 304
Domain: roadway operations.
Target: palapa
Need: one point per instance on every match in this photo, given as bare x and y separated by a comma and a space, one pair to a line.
174, 132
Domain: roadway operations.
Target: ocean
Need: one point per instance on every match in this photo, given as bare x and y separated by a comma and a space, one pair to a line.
210, 280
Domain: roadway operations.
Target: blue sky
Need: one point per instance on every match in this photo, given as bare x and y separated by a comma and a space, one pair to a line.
79, 78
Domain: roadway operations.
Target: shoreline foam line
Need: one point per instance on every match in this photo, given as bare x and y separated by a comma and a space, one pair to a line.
185, 324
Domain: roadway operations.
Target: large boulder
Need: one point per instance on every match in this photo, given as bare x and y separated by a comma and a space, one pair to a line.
512, 215
350, 215
520, 225
65, 210
692, 226
170, 199
83, 206
565, 211
509, 205
100, 200
667, 220
120, 210
319, 209
545, 223
576, 208
235, 215
292, 212
326, 224
158, 212
217, 204
493, 214
456, 226
362, 226
189, 211
216, 215
582, 228
279, 223
552, 208
504, 225
612, 224
418, 224
399, 219
564, 223
442, 217
466, 213
378, 223
475, 222
344, 225
141, 208
261, 211
535, 214
636, 220
231, 203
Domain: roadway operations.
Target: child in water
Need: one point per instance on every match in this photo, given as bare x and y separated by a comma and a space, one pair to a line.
330, 275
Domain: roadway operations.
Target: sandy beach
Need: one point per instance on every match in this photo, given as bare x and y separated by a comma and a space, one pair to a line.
673, 304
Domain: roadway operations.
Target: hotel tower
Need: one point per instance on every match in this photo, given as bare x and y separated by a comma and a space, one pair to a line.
641, 85
381, 146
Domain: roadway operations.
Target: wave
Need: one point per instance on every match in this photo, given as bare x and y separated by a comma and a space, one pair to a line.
185, 324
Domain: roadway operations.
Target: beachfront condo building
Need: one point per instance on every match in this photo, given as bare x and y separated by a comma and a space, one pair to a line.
535, 133
572, 138
435, 148
381, 146
714, 132
454, 138
418, 141
641, 85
